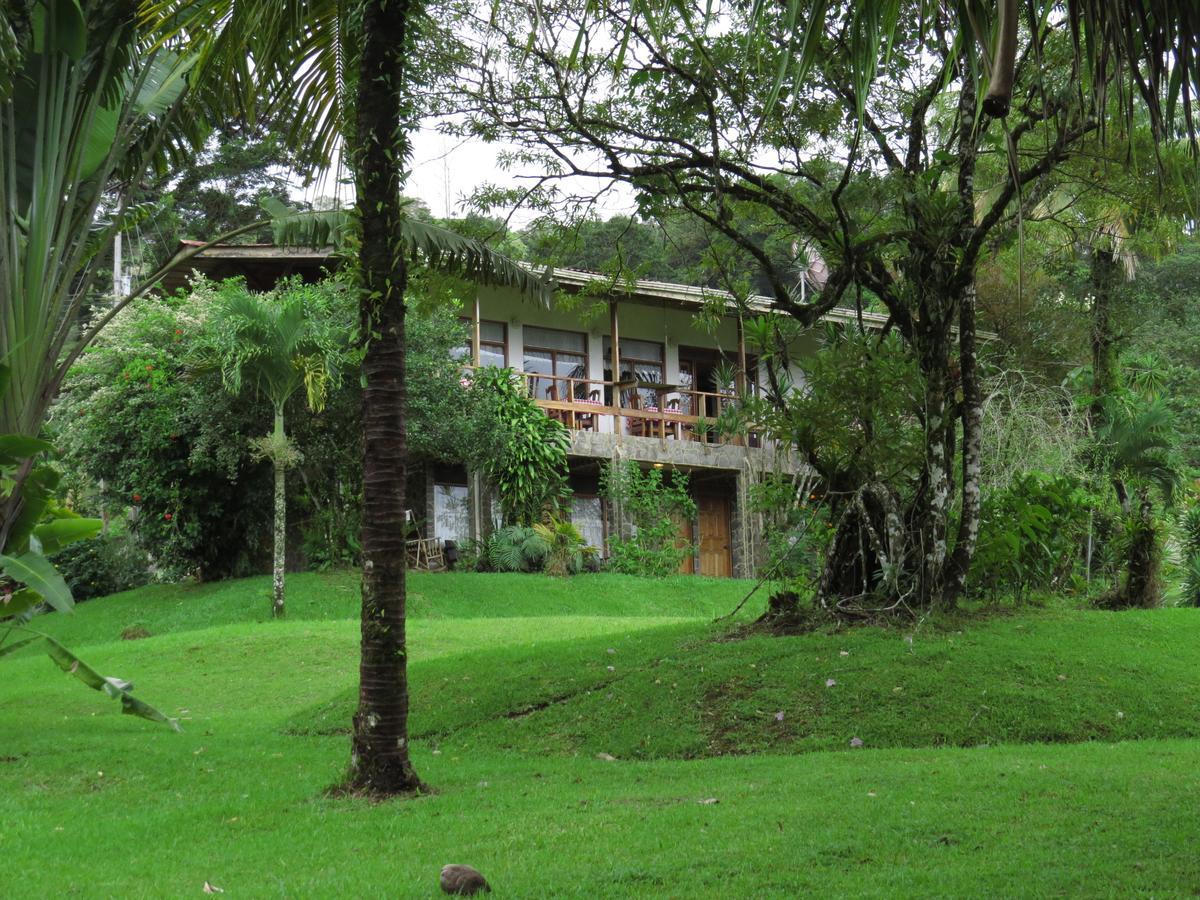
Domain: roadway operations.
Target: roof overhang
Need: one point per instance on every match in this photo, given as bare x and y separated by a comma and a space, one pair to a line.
262, 265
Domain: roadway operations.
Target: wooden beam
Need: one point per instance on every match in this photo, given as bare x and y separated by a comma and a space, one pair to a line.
741, 339
615, 366
475, 331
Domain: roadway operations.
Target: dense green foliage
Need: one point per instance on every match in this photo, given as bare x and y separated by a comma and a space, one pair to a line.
103, 565
147, 437
654, 502
515, 548
1031, 536
149, 433
566, 550
529, 468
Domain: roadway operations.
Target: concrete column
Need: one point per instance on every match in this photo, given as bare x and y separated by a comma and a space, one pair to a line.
427, 510
744, 539
475, 504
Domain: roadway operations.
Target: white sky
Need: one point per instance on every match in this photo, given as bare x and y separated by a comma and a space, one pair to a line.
447, 170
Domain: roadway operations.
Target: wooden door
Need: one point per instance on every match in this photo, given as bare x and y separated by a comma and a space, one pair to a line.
715, 557
687, 565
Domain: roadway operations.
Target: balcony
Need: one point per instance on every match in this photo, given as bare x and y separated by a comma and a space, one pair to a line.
634, 408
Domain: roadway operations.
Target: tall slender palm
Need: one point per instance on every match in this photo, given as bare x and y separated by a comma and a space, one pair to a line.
275, 344
317, 61
116, 87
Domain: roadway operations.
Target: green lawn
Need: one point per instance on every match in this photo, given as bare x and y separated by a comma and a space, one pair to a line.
513, 700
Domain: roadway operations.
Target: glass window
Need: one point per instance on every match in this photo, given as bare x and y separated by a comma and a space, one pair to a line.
493, 349
641, 350
549, 352
587, 514
553, 339
641, 361
491, 332
451, 513
492, 356
462, 352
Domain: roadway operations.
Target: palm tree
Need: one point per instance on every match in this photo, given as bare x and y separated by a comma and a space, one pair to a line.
274, 344
92, 96
1135, 442
316, 60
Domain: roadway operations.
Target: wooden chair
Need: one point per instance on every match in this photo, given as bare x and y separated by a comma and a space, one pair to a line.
559, 415
673, 426
421, 552
586, 421
641, 426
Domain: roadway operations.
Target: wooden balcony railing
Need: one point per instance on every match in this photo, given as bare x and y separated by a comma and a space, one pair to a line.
620, 407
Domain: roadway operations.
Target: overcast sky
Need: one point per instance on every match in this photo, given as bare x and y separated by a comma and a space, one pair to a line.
447, 170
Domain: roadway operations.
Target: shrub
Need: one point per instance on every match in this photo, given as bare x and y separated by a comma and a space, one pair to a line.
1030, 534
654, 503
516, 548
1191, 556
530, 469
566, 549
102, 565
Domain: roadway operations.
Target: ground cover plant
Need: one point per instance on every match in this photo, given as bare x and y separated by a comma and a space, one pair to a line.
1057, 785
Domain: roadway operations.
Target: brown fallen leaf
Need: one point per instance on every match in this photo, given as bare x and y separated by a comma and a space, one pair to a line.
708, 801
210, 888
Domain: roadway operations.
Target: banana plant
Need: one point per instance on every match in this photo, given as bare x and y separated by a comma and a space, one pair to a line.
28, 580
87, 102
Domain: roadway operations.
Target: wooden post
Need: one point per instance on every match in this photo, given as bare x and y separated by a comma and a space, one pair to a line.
475, 332
615, 366
741, 339
741, 374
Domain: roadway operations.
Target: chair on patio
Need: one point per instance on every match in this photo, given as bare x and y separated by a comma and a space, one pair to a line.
586, 421
639, 425
559, 415
421, 552
674, 426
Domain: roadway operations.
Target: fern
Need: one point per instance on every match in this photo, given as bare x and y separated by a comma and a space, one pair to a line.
1191, 556
516, 548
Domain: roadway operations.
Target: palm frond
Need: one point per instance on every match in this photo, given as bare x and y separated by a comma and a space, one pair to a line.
435, 246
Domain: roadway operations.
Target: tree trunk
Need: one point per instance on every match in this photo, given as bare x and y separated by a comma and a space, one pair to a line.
379, 761
1105, 366
1140, 586
972, 448
279, 464
908, 563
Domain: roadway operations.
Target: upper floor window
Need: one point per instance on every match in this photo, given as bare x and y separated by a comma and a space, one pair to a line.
640, 361
493, 345
550, 352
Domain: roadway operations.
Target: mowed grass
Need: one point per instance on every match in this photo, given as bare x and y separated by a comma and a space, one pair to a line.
334, 597
510, 709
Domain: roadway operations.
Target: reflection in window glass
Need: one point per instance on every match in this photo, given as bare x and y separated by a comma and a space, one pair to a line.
640, 361
587, 515
560, 353
491, 356
451, 513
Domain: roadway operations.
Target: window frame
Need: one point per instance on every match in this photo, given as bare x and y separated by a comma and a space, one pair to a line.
553, 377
502, 344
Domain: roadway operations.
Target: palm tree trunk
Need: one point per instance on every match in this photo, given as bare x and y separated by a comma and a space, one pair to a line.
280, 516
379, 761
1105, 362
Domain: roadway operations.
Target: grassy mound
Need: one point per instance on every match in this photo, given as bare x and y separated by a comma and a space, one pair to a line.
334, 596
504, 701
682, 692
